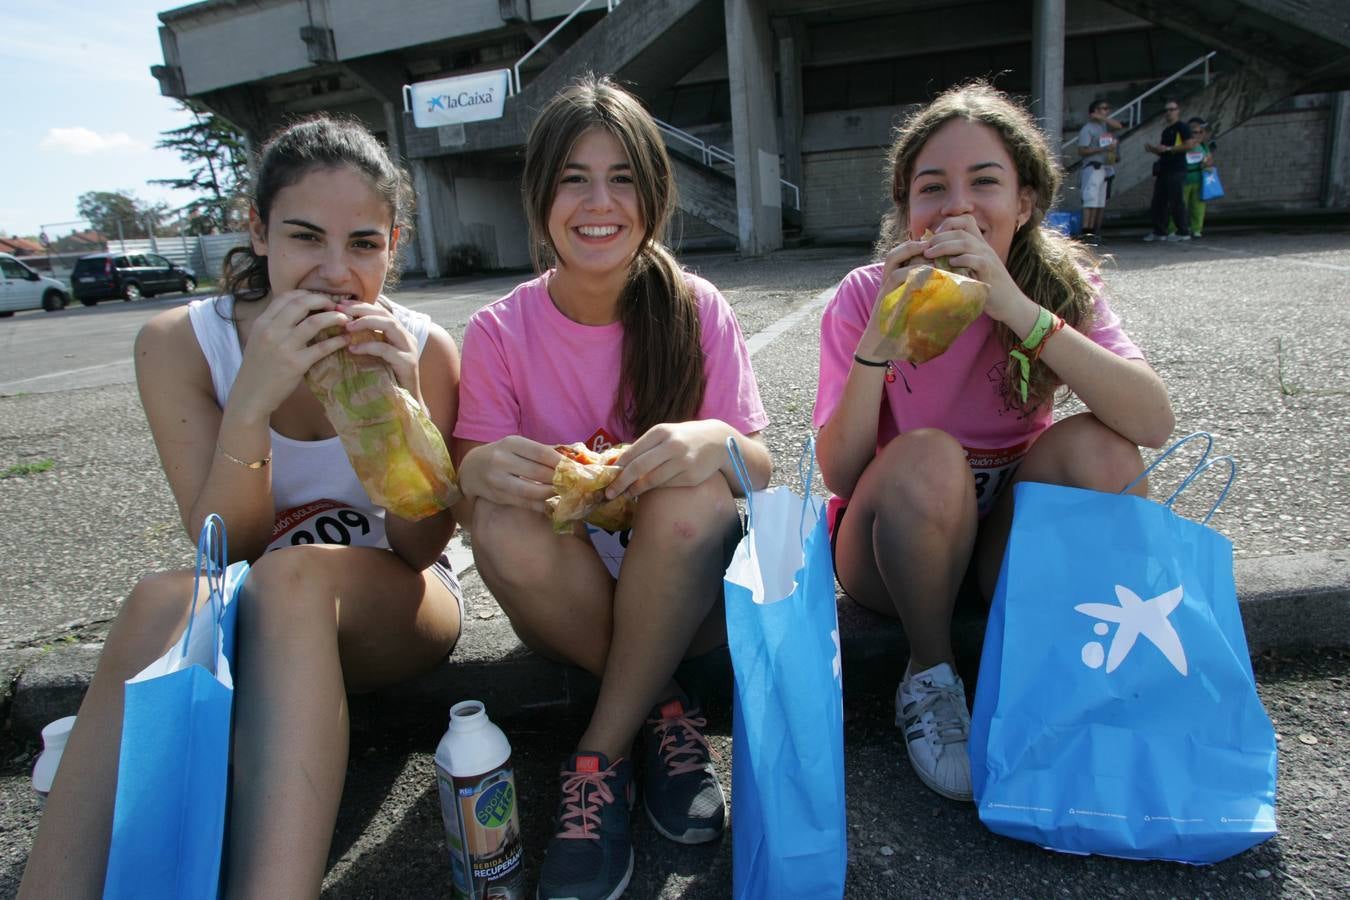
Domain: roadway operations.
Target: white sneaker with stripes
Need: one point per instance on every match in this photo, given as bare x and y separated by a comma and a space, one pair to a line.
930, 706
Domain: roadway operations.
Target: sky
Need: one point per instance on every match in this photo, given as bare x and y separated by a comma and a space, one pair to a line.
82, 111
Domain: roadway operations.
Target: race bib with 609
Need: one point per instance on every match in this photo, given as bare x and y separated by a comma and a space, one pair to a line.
326, 522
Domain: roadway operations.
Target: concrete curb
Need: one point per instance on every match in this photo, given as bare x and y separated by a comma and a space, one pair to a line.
1287, 603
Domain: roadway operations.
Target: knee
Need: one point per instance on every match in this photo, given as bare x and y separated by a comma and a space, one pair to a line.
289, 588
153, 611
1087, 454
688, 519
502, 546
924, 479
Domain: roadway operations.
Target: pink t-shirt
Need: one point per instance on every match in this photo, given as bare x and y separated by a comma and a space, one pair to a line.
960, 392
529, 370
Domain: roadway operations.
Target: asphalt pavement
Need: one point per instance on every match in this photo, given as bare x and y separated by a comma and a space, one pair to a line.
1248, 329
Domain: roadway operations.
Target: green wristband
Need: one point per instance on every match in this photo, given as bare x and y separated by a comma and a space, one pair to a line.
1044, 321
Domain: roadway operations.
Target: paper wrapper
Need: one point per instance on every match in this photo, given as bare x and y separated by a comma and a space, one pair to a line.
580, 478
929, 311
397, 452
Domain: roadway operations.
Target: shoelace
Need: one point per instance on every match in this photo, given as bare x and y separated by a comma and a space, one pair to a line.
943, 701
580, 814
683, 746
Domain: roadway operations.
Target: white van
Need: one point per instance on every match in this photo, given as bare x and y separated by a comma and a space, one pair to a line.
21, 288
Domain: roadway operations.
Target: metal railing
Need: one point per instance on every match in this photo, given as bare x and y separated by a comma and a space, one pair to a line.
1134, 110
515, 70
708, 153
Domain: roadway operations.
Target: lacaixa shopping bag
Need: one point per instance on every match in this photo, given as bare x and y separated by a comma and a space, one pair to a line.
787, 761
172, 772
1116, 712
1211, 188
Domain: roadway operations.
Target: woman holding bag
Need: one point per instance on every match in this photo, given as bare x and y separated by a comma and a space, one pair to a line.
613, 343
921, 456
239, 433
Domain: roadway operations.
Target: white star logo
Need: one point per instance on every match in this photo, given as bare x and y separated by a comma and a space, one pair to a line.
1136, 617
838, 654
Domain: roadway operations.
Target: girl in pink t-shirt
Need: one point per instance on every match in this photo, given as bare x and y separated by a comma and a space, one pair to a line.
900, 442
613, 344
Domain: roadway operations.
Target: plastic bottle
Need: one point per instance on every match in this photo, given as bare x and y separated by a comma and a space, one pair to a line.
54, 737
478, 806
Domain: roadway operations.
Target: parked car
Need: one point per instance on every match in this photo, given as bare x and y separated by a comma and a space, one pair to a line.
131, 276
21, 288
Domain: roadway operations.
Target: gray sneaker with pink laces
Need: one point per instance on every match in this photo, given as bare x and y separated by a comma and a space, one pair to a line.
680, 790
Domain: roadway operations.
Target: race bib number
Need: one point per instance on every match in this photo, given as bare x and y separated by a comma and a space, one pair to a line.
610, 546
325, 522
1195, 157
1106, 140
993, 471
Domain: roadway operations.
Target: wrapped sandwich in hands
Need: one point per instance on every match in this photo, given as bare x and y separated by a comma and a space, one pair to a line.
927, 313
580, 478
397, 452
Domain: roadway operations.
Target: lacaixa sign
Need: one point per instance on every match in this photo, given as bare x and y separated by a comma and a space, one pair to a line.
465, 98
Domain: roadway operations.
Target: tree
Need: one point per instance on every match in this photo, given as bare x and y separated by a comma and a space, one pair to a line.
106, 210
217, 158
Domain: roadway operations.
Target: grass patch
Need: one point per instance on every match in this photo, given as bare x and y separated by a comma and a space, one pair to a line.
18, 470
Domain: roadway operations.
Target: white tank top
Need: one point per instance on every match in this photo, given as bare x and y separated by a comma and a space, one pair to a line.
317, 497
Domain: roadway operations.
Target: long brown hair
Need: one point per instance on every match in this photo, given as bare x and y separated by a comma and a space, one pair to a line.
1048, 267
662, 378
317, 142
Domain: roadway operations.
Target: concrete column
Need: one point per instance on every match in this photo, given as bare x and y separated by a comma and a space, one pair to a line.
435, 207
1336, 179
788, 32
759, 204
1047, 67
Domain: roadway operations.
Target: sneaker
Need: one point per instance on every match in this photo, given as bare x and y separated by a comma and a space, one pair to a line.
1178, 237
1197, 234
931, 708
684, 800
591, 855
1154, 236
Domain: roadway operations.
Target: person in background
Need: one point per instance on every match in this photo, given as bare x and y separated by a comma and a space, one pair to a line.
1097, 149
922, 457
613, 343
1198, 158
1170, 176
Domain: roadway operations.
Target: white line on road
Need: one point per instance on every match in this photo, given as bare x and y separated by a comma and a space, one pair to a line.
7, 386
766, 337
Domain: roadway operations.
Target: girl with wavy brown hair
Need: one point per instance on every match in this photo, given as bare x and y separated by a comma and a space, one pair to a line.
611, 344
921, 457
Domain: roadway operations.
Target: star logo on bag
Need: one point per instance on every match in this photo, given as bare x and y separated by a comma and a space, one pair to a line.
1135, 617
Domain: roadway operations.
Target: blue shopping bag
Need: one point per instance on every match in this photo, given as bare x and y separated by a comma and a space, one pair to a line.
1116, 712
172, 776
1211, 188
787, 760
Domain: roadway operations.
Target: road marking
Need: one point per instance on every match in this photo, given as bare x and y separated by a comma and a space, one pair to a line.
766, 337
6, 387
1283, 259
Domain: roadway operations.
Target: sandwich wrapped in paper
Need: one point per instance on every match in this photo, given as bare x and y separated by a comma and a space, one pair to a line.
580, 478
929, 311
397, 452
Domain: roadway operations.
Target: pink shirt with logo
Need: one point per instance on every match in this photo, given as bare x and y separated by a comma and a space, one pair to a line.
960, 392
529, 370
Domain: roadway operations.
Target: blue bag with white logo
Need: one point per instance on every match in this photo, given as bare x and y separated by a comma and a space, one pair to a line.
172, 773
788, 832
1116, 711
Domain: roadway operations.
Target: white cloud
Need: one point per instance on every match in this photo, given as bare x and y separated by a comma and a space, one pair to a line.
86, 142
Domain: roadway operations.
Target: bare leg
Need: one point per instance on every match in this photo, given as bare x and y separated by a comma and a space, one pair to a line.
670, 580
905, 543
1079, 452
314, 622
69, 858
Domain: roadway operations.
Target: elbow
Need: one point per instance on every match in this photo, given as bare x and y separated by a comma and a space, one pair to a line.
1158, 430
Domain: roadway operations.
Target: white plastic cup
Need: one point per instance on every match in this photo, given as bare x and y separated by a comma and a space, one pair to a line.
54, 738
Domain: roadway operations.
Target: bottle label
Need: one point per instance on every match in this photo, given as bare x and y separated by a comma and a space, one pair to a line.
482, 832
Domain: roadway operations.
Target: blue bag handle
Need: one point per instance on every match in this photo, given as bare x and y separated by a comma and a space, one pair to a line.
806, 467
212, 559
1201, 465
